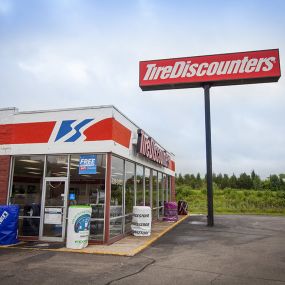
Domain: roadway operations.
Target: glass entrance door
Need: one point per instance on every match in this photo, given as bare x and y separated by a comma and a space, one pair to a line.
53, 211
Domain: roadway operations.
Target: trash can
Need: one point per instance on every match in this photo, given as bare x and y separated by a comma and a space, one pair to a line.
78, 227
9, 215
141, 221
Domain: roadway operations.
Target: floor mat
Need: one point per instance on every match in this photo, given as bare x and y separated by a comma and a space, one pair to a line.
40, 244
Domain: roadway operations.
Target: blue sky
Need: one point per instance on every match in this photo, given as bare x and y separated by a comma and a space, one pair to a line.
71, 53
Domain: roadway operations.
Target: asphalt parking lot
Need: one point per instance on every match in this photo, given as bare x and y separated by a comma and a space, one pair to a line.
238, 250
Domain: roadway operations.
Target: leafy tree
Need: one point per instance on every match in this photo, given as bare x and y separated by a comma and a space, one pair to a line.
233, 182
193, 181
282, 181
274, 182
225, 182
199, 181
252, 175
187, 179
218, 180
244, 181
257, 183
180, 179
266, 184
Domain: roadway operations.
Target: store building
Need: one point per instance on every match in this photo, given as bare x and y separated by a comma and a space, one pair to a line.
92, 156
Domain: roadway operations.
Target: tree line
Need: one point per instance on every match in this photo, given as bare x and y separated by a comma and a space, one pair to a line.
243, 181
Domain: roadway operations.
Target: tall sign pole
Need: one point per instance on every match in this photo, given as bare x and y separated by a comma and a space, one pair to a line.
206, 71
209, 155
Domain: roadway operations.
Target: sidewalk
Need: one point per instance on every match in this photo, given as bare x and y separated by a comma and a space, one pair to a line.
128, 246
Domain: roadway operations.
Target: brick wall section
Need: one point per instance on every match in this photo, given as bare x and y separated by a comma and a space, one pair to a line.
4, 177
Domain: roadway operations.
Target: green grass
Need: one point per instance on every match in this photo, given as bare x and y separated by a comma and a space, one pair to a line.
234, 201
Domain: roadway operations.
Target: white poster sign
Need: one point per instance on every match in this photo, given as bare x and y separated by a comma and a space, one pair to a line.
53, 216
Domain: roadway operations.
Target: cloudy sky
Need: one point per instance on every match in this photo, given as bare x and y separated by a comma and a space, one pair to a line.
73, 53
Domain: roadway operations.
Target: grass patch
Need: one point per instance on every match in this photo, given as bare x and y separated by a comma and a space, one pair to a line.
234, 201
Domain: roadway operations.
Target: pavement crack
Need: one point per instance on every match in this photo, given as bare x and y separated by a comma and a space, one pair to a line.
218, 275
152, 261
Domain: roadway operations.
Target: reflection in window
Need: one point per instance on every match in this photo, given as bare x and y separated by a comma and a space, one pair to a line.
89, 189
27, 192
165, 183
147, 186
116, 203
154, 195
56, 166
169, 188
129, 193
140, 194
160, 194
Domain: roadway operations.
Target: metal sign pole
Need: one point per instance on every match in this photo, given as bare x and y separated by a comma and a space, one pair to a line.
209, 155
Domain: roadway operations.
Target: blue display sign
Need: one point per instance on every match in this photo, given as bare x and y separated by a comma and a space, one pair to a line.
71, 196
87, 164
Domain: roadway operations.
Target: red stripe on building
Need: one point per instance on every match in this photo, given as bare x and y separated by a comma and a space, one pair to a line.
109, 129
172, 165
26, 133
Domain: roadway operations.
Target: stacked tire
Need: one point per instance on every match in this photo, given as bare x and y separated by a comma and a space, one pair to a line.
182, 208
170, 212
141, 221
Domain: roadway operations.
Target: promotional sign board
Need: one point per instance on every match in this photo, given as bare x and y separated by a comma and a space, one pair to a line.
78, 226
217, 70
87, 164
9, 216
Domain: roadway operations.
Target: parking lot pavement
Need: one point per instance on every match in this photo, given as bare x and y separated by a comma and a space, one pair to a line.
237, 250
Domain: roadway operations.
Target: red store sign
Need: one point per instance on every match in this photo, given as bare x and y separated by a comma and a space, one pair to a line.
218, 70
149, 148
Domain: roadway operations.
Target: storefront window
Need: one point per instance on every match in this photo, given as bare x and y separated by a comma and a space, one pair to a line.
169, 188
89, 189
56, 166
147, 186
129, 193
161, 194
116, 203
154, 195
27, 192
165, 182
140, 192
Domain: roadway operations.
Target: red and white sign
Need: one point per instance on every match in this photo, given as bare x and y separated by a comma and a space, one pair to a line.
149, 148
218, 70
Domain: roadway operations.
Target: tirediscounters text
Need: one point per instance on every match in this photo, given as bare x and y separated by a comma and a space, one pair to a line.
218, 70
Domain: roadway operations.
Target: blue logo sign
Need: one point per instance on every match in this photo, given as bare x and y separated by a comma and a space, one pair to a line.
71, 196
87, 164
71, 130
82, 223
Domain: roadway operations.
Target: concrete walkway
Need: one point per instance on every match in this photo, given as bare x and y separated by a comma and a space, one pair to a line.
128, 246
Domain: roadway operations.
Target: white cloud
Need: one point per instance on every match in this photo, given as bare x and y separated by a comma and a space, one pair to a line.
52, 68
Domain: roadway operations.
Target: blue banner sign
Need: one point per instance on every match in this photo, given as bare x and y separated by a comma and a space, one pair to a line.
87, 164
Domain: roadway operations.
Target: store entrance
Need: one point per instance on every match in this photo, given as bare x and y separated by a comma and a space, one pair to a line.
53, 212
